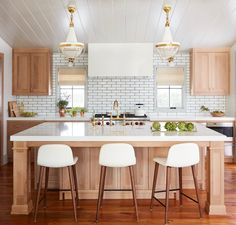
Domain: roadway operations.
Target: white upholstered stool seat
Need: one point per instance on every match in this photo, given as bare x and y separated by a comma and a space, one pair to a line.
56, 156
179, 156
116, 155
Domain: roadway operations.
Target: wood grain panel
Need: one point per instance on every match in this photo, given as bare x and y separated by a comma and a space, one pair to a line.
21, 73
83, 167
31, 71
220, 73
140, 171
112, 174
161, 179
40, 74
14, 127
200, 73
210, 71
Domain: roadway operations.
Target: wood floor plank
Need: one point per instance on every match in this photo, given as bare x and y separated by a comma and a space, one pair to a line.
117, 212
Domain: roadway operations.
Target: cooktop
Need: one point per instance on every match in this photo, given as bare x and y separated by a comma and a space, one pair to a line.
127, 115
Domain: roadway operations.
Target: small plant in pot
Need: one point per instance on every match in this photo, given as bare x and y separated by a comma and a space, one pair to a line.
205, 110
73, 111
82, 111
62, 104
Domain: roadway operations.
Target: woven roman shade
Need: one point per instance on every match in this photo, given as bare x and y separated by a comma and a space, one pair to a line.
72, 76
170, 76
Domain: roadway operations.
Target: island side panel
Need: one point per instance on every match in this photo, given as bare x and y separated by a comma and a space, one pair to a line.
161, 178
22, 199
88, 171
215, 179
141, 174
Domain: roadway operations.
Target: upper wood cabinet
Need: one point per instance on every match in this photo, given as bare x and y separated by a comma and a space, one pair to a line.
210, 71
31, 72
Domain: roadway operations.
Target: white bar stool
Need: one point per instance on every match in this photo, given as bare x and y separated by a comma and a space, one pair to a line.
179, 156
56, 156
116, 155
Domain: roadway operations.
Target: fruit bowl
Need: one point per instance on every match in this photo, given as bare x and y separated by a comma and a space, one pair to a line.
217, 113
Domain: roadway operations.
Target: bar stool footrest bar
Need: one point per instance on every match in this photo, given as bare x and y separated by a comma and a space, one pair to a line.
175, 189
189, 197
117, 189
159, 201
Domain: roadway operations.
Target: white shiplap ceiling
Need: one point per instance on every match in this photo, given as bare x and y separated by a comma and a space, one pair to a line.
44, 23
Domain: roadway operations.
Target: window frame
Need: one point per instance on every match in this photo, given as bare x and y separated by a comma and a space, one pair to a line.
58, 92
184, 93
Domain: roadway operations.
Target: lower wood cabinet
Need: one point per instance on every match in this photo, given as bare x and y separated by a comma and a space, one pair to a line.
14, 127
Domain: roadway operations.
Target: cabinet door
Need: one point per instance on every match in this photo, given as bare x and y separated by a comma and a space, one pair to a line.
21, 74
200, 82
220, 73
39, 83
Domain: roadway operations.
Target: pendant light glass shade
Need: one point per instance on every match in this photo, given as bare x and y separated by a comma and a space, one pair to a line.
167, 48
71, 48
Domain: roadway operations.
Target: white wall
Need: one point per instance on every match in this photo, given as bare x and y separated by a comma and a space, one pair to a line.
7, 50
230, 100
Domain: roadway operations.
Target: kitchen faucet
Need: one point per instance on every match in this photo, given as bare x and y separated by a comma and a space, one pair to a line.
116, 107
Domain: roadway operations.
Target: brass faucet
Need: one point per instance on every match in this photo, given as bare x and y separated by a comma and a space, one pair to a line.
116, 107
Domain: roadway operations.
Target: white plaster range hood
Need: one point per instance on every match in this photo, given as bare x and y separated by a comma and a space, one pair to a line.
120, 59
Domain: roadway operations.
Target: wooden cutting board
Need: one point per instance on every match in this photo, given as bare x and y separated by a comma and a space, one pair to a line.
13, 109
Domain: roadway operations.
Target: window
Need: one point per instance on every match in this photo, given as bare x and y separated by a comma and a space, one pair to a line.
170, 83
72, 86
76, 95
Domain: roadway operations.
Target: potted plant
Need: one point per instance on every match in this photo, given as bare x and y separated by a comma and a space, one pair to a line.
82, 111
73, 111
205, 110
62, 104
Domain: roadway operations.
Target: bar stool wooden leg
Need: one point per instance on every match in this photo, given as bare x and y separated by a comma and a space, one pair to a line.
41, 172
76, 184
154, 184
72, 191
46, 187
167, 193
180, 187
100, 192
131, 171
103, 184
196, 190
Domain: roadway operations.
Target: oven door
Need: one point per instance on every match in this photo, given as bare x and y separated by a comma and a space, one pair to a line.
224, 128
228, 130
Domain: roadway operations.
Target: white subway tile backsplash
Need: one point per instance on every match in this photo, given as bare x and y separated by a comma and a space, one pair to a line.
102, 91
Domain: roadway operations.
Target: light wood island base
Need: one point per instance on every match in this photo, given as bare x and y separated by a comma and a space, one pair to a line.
88, 173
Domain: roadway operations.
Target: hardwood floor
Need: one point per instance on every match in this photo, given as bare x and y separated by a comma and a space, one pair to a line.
117, 212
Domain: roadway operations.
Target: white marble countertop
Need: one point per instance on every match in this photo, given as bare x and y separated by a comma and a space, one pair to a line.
84, 131
152, 117
51, 118
192, 118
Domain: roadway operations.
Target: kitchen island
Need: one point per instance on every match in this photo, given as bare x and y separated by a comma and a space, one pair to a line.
86, 141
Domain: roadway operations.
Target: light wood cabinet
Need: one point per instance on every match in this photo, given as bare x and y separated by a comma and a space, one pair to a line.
14, 127
31, 72
210, 71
